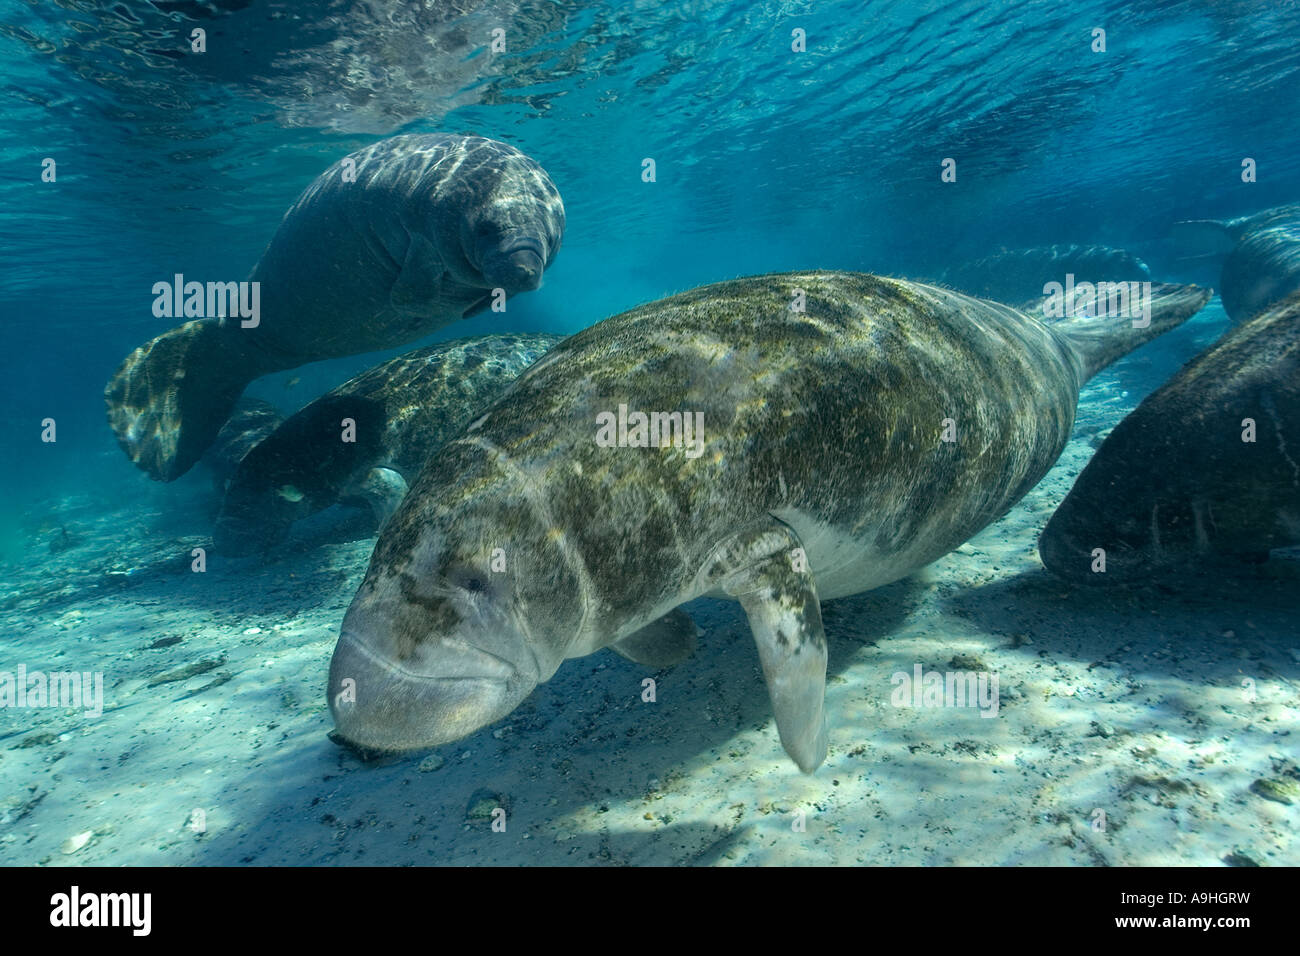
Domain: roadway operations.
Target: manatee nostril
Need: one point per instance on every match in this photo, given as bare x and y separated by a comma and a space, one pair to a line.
519, 271
526, 260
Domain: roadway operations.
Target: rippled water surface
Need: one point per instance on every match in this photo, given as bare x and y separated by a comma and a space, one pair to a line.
175, 161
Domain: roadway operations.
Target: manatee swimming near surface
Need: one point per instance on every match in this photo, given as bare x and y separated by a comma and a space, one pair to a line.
387, 245
1262, 263
1176, 482
402, 411
793, 450
1019, 275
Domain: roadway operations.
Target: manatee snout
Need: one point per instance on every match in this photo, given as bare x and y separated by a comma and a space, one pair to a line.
515, 266
436, 690
1063, 554
1070, 543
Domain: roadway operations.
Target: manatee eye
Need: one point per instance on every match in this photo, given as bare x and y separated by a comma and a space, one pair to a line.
468, 578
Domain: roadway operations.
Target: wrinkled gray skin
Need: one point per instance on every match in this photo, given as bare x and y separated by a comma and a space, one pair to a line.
1018, 275
1261, 264
823, 474
403, 410
1264, 268
421, 236
1174, 484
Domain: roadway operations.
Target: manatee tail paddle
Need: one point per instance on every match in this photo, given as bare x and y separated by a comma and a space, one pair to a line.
169, 398
1132, 321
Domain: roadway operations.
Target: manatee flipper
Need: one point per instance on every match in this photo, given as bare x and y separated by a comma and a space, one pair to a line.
420, 278
169, 398
475, 308
1102, 339
767, 573
661, 643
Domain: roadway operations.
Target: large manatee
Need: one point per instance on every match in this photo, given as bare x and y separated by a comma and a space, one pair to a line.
387, 245
1209, 464
779, 440
1261, 264
394, 416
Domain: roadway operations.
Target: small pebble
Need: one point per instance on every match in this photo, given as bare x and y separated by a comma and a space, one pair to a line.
431, 763
482, 803
72, 844
1279, 791
188, 671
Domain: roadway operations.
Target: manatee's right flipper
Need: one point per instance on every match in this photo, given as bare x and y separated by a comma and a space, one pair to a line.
765, 570
661, 643
419, 280
170, 397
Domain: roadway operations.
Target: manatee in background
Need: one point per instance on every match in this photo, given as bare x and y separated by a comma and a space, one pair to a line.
800, 457
430, 225
1019, 275
1262, 263
252, 420
403, 411
1175, 482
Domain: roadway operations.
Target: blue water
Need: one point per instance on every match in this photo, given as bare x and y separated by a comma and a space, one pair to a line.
766, 159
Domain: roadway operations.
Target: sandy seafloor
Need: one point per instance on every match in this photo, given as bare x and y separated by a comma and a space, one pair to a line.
1130, 702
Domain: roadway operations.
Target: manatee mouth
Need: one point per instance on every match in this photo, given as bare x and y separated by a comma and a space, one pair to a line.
1071, 557
1062, 556
380, 704
516, 266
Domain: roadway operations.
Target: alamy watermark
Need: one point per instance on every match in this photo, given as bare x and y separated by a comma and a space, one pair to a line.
214, 300
72, 690
75, 908
626, 429
1126, 300
923, 688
